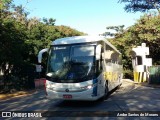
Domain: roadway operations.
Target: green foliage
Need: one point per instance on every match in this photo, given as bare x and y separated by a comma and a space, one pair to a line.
21, 39
147, 29
66, 31
141, 5
118, 30
4, 4
49, 21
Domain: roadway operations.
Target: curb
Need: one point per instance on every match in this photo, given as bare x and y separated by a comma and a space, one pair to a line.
17, 94
128, 80
150, 85
146, 84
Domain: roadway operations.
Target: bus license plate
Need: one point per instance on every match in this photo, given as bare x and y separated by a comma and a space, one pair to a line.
67, 96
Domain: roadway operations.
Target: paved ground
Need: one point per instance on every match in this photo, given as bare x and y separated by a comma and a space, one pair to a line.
16, 94
130, 99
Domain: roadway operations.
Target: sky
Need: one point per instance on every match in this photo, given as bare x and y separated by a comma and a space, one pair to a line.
88, 16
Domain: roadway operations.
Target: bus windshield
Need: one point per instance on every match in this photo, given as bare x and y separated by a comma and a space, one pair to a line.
71, 64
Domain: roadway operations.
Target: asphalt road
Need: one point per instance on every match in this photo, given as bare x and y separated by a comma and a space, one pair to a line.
128, 101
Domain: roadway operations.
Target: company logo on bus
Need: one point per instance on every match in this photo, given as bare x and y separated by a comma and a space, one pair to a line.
67, 90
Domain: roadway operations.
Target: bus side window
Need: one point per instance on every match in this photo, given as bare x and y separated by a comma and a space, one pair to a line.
101, 59
108, 55
114, 57
99, 64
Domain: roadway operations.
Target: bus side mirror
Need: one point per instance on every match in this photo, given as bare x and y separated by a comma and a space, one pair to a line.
41, 53
98, 52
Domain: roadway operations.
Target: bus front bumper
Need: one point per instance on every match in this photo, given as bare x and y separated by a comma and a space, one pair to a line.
86, 95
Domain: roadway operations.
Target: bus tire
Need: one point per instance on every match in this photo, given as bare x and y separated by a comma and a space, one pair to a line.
119, 86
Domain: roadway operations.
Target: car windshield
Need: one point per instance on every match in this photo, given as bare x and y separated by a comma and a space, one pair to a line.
71, 64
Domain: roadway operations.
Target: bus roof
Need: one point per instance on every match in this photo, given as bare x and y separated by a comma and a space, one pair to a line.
77, 39
81, 39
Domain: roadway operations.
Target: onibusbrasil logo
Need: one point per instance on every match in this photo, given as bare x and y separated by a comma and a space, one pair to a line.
21, 114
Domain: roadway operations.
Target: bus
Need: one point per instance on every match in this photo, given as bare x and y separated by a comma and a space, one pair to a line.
81, 68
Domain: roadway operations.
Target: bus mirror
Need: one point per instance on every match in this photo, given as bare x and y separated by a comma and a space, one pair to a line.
40, 54
98, 52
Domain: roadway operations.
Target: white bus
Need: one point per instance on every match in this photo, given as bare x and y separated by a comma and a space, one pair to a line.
81, 68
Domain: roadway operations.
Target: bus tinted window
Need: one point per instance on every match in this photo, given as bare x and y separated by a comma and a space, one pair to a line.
83, 51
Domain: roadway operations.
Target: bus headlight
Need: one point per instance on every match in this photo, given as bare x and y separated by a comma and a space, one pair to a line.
88, 86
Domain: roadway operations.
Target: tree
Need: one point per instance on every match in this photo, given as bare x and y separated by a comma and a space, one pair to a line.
66, 31
12, 44
4, 4
49, 21
4, 7
141, 5
117, 30
147, 30
20, 14
21, 39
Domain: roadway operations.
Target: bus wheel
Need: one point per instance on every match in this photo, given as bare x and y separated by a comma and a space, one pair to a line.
118, 87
